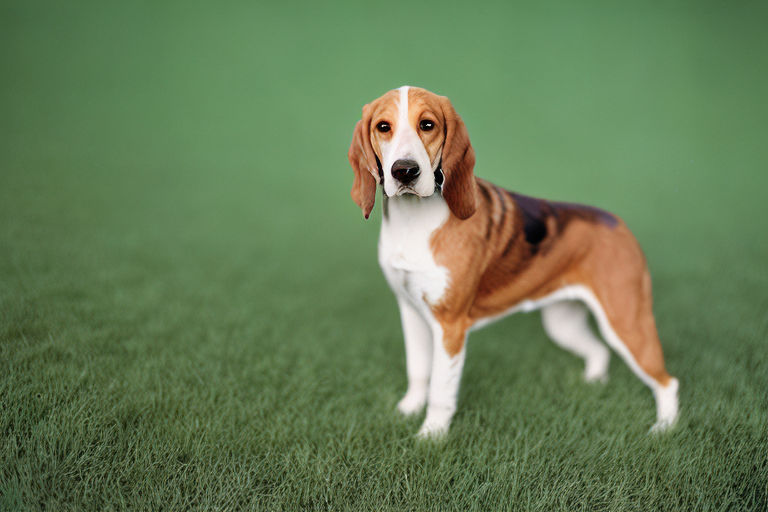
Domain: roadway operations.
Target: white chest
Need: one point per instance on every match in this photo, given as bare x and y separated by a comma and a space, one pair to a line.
405, 254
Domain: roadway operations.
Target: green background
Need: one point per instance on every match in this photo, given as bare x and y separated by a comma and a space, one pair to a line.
191, 312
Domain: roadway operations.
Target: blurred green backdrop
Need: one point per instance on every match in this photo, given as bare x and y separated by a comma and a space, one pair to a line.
191, 309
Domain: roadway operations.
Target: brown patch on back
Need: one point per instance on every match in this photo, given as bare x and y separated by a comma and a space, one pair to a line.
519, 248
542, 241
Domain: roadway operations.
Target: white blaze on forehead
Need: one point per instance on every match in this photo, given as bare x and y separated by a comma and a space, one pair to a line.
403, 108
406, 144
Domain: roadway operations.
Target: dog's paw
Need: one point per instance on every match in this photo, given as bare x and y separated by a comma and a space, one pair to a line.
436, 423
595, 376
662, 426
412, 403
596, 369
431, 431
666, 407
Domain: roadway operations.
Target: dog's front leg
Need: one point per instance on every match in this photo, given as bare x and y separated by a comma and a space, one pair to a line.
418, 358
447, 362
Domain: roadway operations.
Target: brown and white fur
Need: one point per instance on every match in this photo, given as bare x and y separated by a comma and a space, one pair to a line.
463, 253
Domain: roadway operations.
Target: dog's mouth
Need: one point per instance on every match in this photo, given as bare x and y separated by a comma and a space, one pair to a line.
405, 189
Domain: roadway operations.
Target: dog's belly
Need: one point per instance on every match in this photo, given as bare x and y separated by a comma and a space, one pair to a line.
569, 292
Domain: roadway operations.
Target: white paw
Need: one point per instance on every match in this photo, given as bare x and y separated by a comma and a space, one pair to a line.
412, 403
436, 423
592, 375
662, 426
432, 431
596, 369
666, 407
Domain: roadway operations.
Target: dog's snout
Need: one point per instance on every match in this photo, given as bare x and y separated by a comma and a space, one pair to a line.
405, 171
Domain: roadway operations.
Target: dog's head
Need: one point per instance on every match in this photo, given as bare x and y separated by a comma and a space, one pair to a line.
412, 141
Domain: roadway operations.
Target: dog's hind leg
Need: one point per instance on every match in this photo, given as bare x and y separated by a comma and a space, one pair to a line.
567, 323
631, 331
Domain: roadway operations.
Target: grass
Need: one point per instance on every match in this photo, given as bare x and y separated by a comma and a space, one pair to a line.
191, 313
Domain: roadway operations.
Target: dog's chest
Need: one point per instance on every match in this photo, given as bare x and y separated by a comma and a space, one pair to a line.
405, 253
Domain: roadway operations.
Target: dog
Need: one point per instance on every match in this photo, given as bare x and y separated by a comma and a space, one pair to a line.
459, 252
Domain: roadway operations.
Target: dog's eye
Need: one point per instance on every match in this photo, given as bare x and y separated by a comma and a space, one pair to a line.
426, 125
383, 127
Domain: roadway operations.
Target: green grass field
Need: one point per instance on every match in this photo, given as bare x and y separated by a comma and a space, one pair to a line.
191, 312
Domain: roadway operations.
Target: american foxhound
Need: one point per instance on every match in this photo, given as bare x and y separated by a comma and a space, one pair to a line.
460, 252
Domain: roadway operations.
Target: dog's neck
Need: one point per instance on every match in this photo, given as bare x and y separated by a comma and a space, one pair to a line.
410, 208
409, 222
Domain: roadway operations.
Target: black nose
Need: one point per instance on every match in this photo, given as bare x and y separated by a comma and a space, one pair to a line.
405, 171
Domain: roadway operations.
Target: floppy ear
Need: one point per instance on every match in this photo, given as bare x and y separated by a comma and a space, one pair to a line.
458, 163
363, 161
